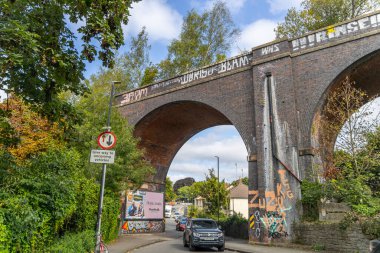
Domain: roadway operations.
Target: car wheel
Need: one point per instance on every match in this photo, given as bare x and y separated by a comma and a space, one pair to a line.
191, 246
221, 248
184, 241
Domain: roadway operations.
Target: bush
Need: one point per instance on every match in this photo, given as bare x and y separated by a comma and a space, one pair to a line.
312, 192
110, 217
235, 226
83, 242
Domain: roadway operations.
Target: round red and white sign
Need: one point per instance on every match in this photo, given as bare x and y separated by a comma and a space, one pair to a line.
106, 140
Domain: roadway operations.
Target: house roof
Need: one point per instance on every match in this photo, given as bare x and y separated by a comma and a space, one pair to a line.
239, 191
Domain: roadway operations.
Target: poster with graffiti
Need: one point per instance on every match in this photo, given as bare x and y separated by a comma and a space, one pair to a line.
144, 205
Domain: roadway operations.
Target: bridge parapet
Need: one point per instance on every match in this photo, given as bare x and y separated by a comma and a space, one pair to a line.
326, 37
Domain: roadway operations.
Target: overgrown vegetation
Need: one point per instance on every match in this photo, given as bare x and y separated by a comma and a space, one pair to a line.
351, 173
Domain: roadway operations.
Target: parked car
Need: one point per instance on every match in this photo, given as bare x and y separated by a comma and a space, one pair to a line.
176, 215
200, 232
181, 224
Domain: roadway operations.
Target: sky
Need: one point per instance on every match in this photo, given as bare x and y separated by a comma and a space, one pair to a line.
163, 19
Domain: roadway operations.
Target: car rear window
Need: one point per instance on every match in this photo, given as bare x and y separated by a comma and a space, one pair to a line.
204, 224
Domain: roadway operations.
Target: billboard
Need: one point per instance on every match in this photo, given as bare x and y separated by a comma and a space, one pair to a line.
144, 205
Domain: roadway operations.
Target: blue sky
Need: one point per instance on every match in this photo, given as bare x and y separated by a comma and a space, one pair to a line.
163, 20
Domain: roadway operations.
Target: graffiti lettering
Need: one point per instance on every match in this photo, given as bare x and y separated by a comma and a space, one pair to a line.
134, 96
275, 223
253, 199
270, 49
336, 32
131, 227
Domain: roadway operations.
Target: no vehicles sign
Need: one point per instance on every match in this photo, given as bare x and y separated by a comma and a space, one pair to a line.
102, 156
106, 140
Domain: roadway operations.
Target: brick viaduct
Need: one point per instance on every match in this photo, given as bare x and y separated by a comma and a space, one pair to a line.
273, 95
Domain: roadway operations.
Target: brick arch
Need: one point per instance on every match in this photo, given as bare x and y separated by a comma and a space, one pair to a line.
163, 131
366, 75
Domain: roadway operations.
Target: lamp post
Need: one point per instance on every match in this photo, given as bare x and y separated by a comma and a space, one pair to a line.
217, 163
101, 195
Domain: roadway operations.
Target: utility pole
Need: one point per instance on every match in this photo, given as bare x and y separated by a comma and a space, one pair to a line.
104, 169
217, 160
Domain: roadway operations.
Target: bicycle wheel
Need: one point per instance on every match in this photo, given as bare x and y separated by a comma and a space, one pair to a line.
101, 248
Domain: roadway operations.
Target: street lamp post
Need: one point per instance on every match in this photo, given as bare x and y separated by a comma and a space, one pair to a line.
101, 195
217, 162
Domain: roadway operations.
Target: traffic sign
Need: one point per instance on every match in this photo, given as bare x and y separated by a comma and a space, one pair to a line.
106, 140
102, 156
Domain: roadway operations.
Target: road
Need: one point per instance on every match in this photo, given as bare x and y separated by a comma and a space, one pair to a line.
173, 245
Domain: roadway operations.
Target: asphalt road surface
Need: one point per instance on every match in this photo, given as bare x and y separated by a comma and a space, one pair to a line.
173, 243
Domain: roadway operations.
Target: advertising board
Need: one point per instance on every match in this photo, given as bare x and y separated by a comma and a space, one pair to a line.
144, 205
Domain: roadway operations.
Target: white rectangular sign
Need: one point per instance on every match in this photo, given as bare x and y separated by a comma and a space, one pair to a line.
102, 156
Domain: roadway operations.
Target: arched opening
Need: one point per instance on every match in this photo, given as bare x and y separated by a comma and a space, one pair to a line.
166, 129
363, 75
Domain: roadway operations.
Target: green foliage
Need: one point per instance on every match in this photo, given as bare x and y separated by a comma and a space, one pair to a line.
131, 67
244, 180
316, 14
189, 193
4, 236
312, 192
371, 227
204, 39
318, 247
169, 191
110, 217
210, 189
38, 62
129, 169
82, 242
235, 226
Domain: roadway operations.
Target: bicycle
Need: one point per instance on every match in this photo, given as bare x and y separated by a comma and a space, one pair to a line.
101, 247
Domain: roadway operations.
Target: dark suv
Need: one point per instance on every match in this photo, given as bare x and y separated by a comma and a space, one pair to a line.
201, 232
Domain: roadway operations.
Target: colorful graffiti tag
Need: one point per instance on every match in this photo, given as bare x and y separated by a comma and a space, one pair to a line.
273, 210
141, 226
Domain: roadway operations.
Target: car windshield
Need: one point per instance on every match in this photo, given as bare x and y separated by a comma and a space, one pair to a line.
204, 224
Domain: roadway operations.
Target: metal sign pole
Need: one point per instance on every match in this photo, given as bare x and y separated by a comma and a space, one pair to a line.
100, 204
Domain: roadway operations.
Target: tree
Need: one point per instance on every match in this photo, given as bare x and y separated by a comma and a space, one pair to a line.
244, 180
204, 39
169, 192
316, 14
210, 189
350, 170
38, 58
342, 115
132, 65
189, 193
32, 134
130, 168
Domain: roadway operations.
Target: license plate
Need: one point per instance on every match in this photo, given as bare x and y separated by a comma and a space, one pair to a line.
208, 238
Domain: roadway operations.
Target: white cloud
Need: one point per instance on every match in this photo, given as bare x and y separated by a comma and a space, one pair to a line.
161, 21
277, 6
234, 6
255, 34
197, 156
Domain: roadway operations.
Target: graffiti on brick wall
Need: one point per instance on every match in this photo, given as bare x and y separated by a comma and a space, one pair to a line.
255, 223
275, 223
332, 32
219, 68
141, 226
274, 212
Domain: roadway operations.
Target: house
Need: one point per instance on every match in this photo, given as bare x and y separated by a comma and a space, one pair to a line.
239, 199
200, 202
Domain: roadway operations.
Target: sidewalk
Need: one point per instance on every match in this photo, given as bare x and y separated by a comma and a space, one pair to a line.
127, 243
